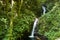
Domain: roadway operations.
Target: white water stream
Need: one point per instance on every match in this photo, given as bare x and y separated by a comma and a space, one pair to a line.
34, 26
44, 9
35, 23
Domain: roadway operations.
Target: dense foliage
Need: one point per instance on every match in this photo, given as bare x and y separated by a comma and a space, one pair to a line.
16, 19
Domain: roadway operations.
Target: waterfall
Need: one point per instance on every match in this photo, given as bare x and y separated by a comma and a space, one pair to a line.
35, 23
34, 26
44, 9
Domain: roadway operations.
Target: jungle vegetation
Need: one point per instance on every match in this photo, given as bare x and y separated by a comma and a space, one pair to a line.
17, 17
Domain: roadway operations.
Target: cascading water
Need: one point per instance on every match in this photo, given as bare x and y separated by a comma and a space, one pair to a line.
44, 9
35, 24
